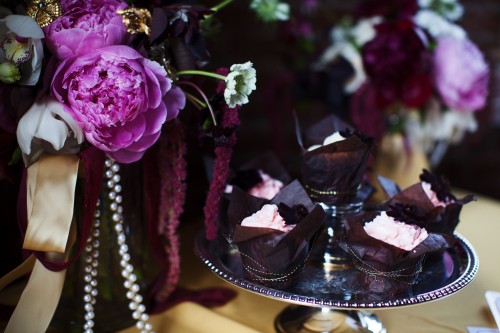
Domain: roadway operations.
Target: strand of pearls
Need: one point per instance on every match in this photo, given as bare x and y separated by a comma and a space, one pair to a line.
90, 271
138, 309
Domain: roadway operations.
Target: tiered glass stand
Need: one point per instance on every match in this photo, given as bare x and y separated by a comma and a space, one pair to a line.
327, 300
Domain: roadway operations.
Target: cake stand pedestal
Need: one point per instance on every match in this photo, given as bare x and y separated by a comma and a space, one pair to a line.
331, 301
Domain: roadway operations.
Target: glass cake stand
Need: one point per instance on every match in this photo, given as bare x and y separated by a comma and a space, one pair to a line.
329, 301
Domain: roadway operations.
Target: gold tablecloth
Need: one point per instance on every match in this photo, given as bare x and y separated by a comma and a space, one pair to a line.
248, 312
252, 313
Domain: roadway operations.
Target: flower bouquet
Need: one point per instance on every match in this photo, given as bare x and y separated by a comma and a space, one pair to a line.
274, 237
87, 86
416, 72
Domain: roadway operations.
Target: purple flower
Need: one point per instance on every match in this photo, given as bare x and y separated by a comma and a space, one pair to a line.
85, 26
119, 98
461, 74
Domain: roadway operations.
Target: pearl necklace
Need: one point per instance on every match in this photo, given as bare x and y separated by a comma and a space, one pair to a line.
92, 258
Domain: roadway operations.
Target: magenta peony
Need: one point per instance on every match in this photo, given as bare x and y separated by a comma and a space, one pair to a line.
119, 98
461, 74
398, 64
85, 26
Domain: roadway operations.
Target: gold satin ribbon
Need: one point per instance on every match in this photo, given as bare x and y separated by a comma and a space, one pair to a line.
51, 195
50, 199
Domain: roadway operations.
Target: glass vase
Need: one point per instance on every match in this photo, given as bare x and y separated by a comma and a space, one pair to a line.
111, 308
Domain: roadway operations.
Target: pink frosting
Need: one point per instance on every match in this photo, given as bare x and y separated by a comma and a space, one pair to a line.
266, 189
267, 217
432, 196
399, 234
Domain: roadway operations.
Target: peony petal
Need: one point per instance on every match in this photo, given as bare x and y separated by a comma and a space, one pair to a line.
118, 51
153, 93
155, 119
175, 101
144, 142
126, 156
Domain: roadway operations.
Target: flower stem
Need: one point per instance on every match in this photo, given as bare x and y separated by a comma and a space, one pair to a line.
221, 5
199, 103
202, 94
198, 72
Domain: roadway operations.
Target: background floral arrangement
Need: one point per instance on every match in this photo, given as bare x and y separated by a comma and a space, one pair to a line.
111, 77
415, 71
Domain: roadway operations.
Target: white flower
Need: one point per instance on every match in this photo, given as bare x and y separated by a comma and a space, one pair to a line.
47, 121
271, 10
25, 52
439, 126
349, 53
437, 25
240, 83
450, 9
364, 30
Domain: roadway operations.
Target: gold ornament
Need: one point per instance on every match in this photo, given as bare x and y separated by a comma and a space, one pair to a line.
44, 12
136, 20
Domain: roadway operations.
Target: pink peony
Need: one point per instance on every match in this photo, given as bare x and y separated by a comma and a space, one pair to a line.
433, 196
119, 98
267, 217
461, 74
266, 189
399, 234
86, 26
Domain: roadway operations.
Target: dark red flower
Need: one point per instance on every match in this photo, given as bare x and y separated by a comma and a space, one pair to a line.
398, 64
365, 112
387, 8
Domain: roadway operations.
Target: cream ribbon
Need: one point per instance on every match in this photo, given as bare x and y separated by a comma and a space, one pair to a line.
51, 195
50, 199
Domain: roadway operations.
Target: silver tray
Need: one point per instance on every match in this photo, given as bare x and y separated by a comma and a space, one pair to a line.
443, 275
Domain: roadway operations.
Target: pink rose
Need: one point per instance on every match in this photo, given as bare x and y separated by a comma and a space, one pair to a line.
267, 217
119, 98
399, 234
461, 74
86, 26
266, 189
433, 196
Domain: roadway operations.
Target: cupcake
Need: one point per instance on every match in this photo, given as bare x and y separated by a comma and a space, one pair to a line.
274, 237
433, 195
389, 247
263, 176
333, 161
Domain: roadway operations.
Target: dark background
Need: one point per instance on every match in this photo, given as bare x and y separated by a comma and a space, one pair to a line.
282, 70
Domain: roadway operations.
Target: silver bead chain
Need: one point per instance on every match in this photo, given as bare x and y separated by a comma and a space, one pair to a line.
92, 254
